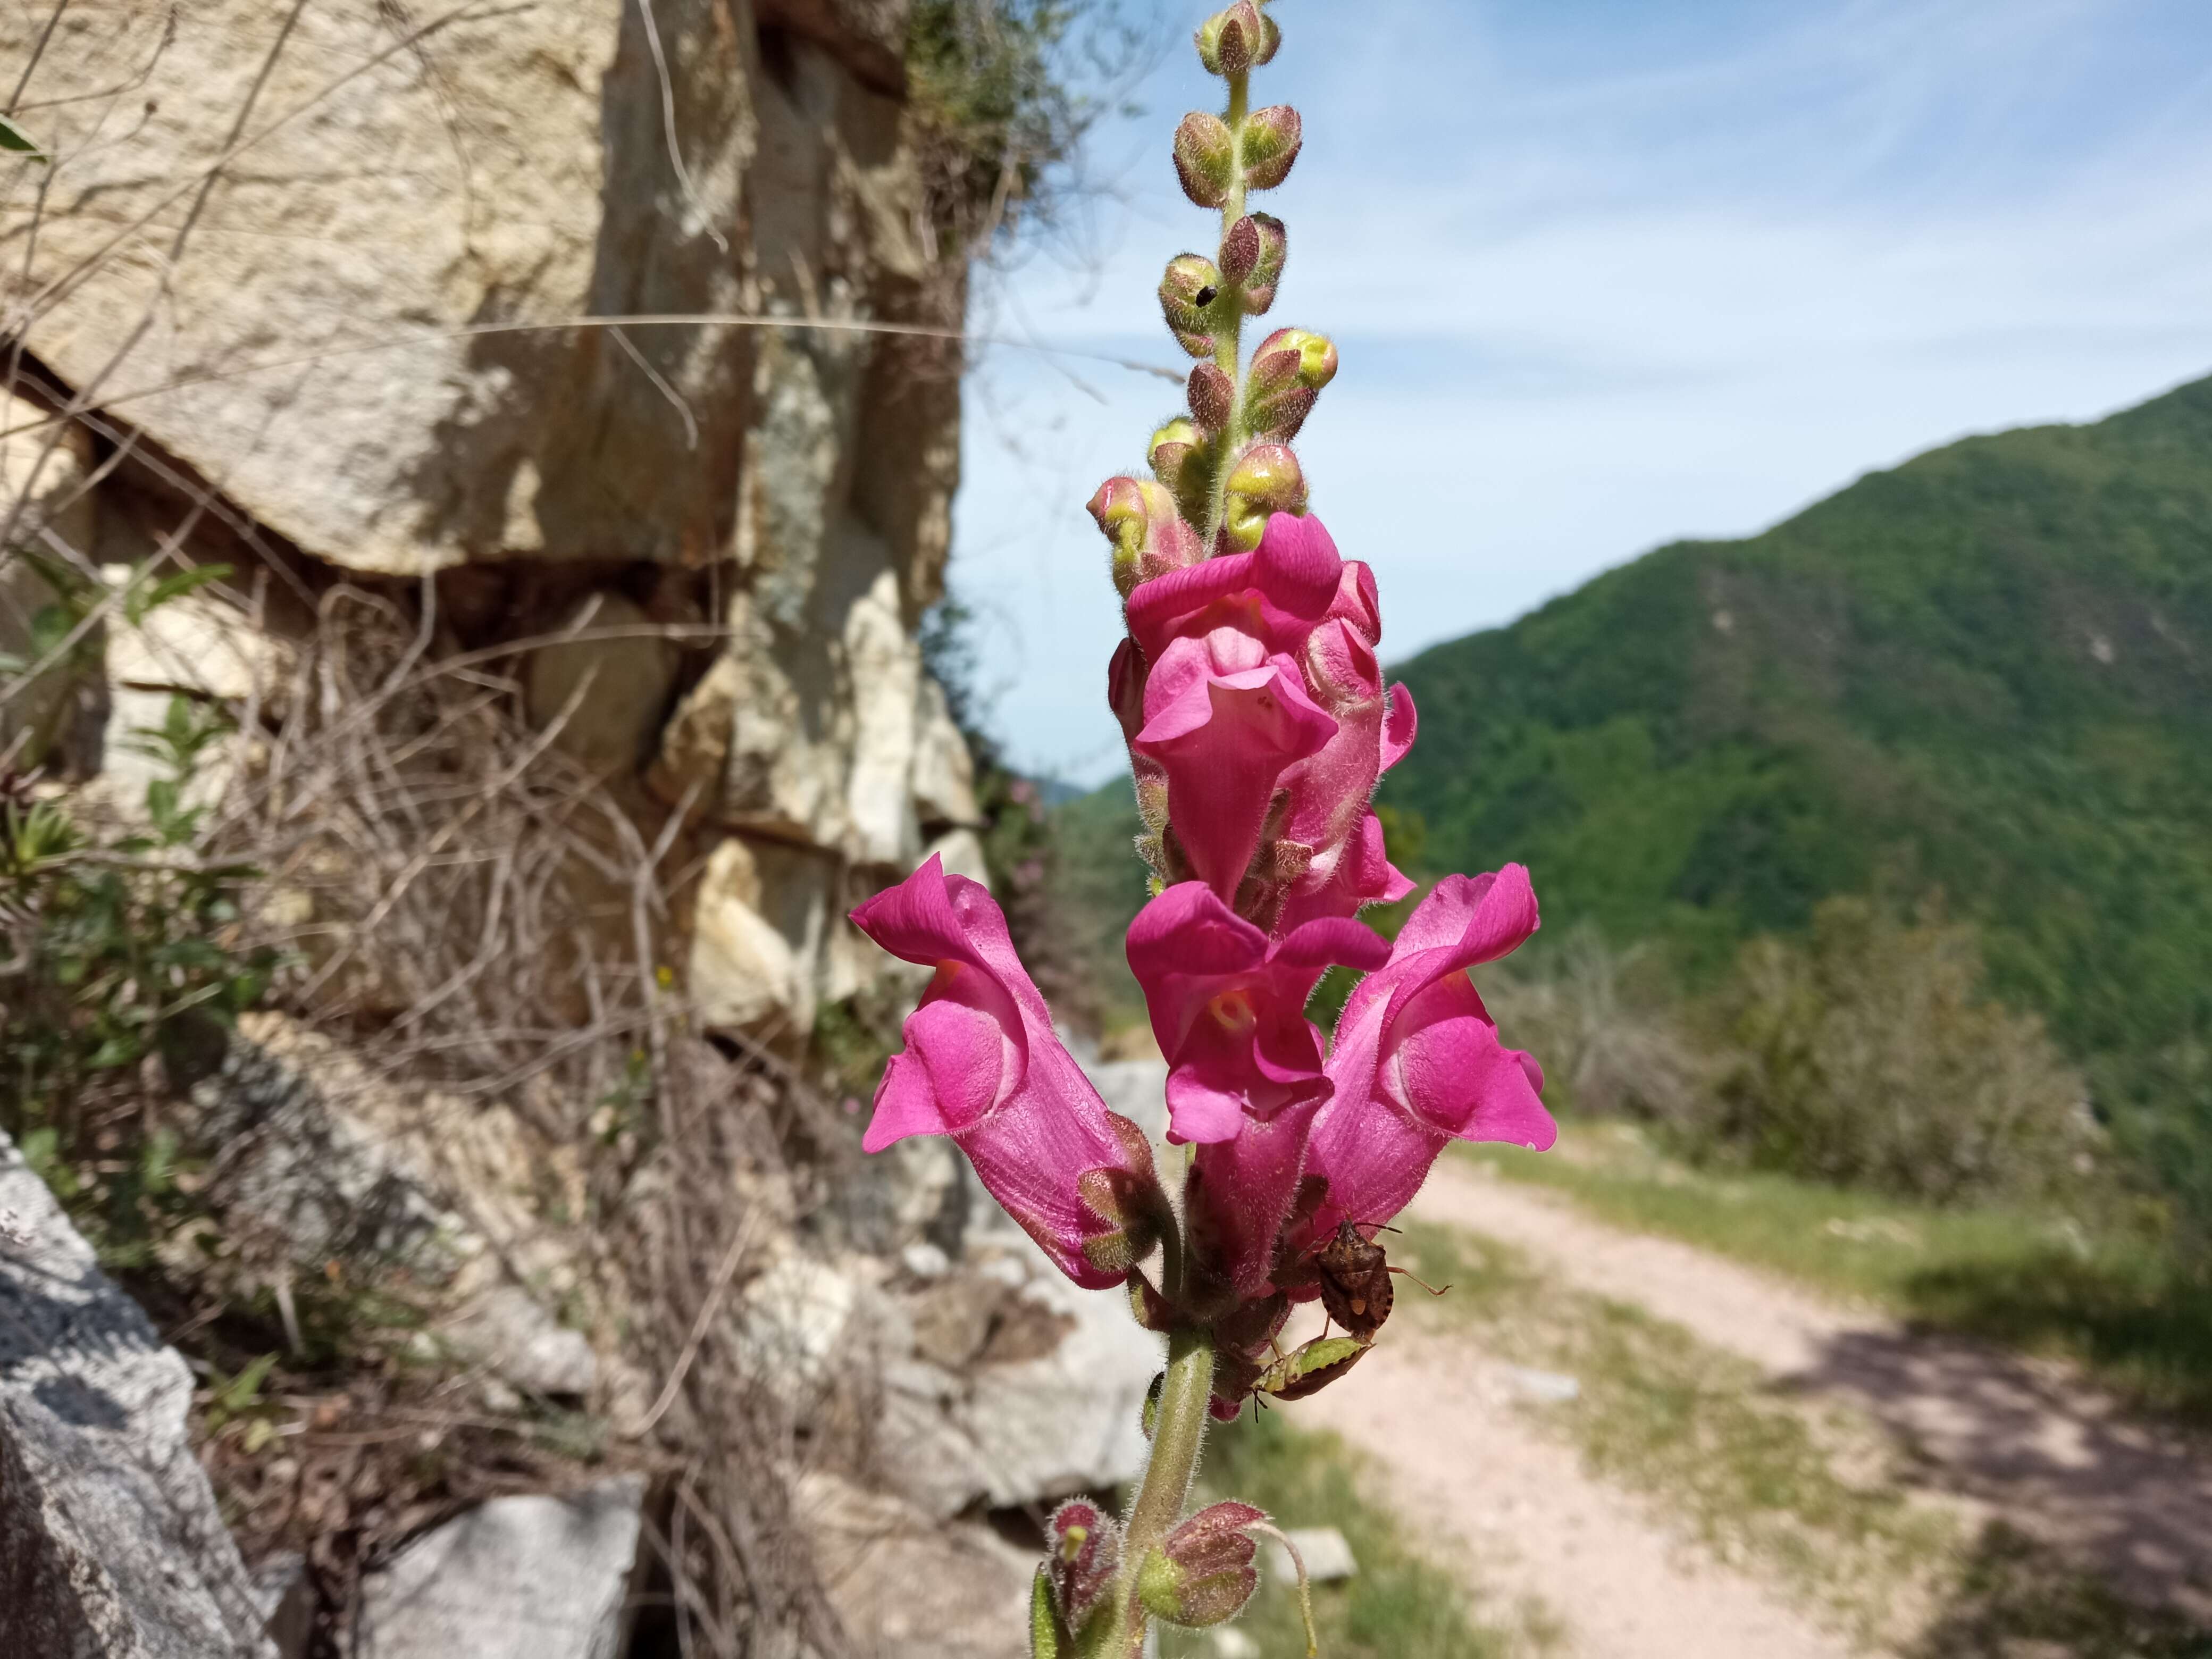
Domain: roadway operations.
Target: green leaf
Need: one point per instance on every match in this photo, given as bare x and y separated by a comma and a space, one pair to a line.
141, 601
243, 1390
13, 137
39, 1148
117, 1048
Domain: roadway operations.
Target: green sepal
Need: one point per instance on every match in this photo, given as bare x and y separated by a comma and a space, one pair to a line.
1045, 1642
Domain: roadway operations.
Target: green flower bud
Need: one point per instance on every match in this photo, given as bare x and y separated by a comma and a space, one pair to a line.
1187, 293
1271, 137
1184, 459
1212, 395
1202, 1573
1205, 158
1288, 372
1145, 525
1230, 42
1294, 355
1265, 480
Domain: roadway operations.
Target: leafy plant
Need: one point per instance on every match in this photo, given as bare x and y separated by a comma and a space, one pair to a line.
1873, 1055
122, 952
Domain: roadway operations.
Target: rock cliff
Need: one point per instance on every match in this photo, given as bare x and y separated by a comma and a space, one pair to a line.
318, 284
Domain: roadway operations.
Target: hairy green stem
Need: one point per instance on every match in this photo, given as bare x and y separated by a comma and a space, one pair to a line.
1229, 341
1178, 1435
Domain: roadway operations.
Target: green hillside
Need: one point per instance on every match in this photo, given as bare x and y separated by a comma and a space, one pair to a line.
1987, 673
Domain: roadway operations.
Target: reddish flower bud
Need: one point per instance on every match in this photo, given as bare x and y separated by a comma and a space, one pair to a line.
1202, 1573
1205, 158
1257, 287
1271, 40
1230, 42
1265, 480
1211, 393
1271, 137
1085, 1544
1188, 292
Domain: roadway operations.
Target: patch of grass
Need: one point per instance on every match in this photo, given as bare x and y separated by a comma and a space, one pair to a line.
1659, 1412
2101, 1292
1398, 1606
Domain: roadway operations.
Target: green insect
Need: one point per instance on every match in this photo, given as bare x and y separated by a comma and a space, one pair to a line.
1309, 1368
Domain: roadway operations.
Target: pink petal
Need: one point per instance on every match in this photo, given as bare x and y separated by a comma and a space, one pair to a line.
1399, 726
905, 1105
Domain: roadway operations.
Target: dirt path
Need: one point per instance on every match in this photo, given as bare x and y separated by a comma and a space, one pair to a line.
2014, 1439
1531, 1526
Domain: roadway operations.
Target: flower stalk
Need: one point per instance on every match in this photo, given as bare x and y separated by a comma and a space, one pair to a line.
1253, 701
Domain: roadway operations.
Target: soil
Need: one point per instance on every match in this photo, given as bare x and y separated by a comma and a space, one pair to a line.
2009, 1439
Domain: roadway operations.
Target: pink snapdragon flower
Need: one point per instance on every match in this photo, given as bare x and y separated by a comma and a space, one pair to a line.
1418, 1062
1246, 1071
983, 1065
1227, 1003
1223, 719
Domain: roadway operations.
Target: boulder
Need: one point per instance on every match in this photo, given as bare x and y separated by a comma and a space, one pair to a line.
1020, 1387
904, 1582
539, 1576
612, 680
110, 1547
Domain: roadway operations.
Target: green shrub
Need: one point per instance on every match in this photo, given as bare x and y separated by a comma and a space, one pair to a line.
121, 954
1871, 1055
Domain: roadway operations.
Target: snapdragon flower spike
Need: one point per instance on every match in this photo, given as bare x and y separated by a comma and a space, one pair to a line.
1418, 1062
983, 1065
1246, 1073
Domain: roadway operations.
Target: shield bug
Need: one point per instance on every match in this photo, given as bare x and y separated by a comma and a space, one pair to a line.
1355, 1282
1309, 1368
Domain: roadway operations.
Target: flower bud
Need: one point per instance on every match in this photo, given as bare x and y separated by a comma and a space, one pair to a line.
1202, 1573
1177, 449
1230, 42
1188, 291
1205, 158
1288, 372
1143, 522
1212, 395
1267, 480
1271, 137
1085, 1551
1294, 354
1260, 252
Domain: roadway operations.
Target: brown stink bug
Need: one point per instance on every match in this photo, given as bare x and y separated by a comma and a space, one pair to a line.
1355, 1282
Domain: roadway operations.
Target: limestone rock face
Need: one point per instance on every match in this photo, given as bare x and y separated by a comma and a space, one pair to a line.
407, 390
111, 1545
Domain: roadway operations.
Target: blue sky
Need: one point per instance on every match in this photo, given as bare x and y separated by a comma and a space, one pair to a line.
1604, 273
